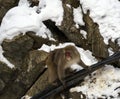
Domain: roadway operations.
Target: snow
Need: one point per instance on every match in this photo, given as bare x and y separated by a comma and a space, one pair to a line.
51, 10
23, 18
106, 13
12, 23
104, 83
68, 5
84, 33
78, 16
119, 41
26, 97
24, 2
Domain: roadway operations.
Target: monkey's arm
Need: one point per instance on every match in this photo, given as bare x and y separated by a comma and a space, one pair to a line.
82, 64
61, 73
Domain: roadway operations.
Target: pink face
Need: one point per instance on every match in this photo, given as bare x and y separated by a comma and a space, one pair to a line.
68, 55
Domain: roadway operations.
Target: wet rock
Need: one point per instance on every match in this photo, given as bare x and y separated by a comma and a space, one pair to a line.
16, 49
6, 76
33, 59
2, 85
33, 2
32, 69
39, 85
5, 72
39, 41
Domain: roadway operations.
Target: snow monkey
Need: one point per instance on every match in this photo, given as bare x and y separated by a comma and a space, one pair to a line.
61, 59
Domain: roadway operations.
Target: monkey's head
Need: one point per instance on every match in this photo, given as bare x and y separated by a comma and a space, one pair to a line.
71, 53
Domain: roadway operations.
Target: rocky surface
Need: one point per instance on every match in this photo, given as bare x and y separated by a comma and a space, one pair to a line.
29, 75
16, 49
29, 66
94, 41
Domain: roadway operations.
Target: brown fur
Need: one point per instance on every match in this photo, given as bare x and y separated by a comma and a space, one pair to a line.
58, 61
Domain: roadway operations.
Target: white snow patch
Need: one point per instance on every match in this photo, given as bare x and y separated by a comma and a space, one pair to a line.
45, 47
107, 14
68, 5
110, 50
3, 59
76, 67
118, 41
24, 2
51, 10
77, 26
103, 82
53, 47
84, 33
19, 20
86, 56
26, 97
23, 18
78, 16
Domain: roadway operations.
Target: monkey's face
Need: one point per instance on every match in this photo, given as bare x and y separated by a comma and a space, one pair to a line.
68, 55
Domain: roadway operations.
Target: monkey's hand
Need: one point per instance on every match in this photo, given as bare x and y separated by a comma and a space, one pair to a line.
63, 83
88, 68
55, 83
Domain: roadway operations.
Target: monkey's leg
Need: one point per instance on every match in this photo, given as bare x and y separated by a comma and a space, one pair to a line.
57, 96
52, 70
66, 94
61, 73
52, 75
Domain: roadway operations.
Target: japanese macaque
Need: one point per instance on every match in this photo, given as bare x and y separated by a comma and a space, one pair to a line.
61, 59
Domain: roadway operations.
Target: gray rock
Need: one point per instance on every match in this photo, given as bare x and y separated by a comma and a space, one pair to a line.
16, 49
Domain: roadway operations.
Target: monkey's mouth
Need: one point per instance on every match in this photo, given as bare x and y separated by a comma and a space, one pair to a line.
68, 58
